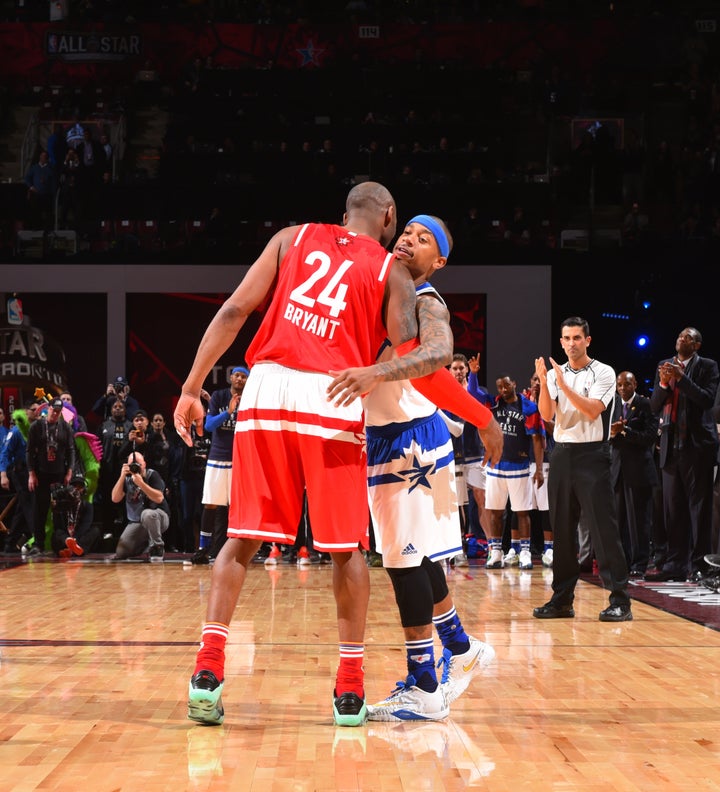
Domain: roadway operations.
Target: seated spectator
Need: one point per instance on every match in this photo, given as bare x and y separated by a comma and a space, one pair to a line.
148, 513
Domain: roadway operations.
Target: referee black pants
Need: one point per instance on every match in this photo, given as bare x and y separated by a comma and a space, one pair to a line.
579, 483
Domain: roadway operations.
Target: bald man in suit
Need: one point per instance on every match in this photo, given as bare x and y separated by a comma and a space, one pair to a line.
682, 398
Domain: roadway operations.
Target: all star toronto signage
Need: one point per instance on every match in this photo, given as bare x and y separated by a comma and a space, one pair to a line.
92, 46
28, 360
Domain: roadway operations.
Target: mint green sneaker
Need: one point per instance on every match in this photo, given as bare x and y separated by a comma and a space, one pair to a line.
204, 701
349, 710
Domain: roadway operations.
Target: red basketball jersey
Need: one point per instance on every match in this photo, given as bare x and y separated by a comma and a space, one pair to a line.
326, 312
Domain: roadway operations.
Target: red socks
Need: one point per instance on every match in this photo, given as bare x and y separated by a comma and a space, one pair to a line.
211, 655
350, 674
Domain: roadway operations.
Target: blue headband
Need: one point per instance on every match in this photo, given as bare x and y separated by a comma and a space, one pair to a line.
437, 231
240, 370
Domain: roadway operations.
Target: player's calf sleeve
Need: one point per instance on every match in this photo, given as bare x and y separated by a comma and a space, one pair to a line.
413, 594
436, 576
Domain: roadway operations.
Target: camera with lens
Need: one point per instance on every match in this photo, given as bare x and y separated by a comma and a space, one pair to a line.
134, 467
199, 456
63, 498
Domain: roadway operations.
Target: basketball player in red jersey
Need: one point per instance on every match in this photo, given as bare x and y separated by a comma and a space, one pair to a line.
339, 293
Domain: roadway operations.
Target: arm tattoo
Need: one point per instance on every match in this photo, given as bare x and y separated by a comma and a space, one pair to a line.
436, 344
407, 323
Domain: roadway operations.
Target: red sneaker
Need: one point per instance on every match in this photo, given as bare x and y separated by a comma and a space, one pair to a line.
272, 558
71, 543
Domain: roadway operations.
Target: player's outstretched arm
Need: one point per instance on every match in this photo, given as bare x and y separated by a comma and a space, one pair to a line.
224, 327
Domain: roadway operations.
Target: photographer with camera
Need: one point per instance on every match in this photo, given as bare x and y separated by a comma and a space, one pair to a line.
118, 389
148, 513
73, 531
143, 438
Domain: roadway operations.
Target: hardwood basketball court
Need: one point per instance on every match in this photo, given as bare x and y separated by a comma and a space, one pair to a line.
96, 658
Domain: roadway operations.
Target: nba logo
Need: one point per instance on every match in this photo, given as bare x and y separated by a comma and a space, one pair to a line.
14, 310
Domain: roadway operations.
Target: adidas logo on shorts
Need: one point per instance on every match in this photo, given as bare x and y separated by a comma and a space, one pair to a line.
409, 550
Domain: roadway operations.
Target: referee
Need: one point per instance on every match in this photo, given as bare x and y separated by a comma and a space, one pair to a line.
577, 396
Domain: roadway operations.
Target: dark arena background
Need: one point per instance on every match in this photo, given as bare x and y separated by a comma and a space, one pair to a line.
582, 142
573, 149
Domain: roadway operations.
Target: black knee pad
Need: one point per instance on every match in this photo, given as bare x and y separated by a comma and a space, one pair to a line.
413, 594
438, 581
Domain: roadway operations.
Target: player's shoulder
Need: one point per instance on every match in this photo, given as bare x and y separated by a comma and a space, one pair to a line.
426, 291
296, 236
220, 395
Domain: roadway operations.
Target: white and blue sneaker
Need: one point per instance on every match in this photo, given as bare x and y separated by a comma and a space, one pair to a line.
410, 703
495, 559
511, 558
525, 559
458, 670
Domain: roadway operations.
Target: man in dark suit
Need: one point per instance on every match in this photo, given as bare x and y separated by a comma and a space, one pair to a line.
633, 434
683, 397
716, 490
